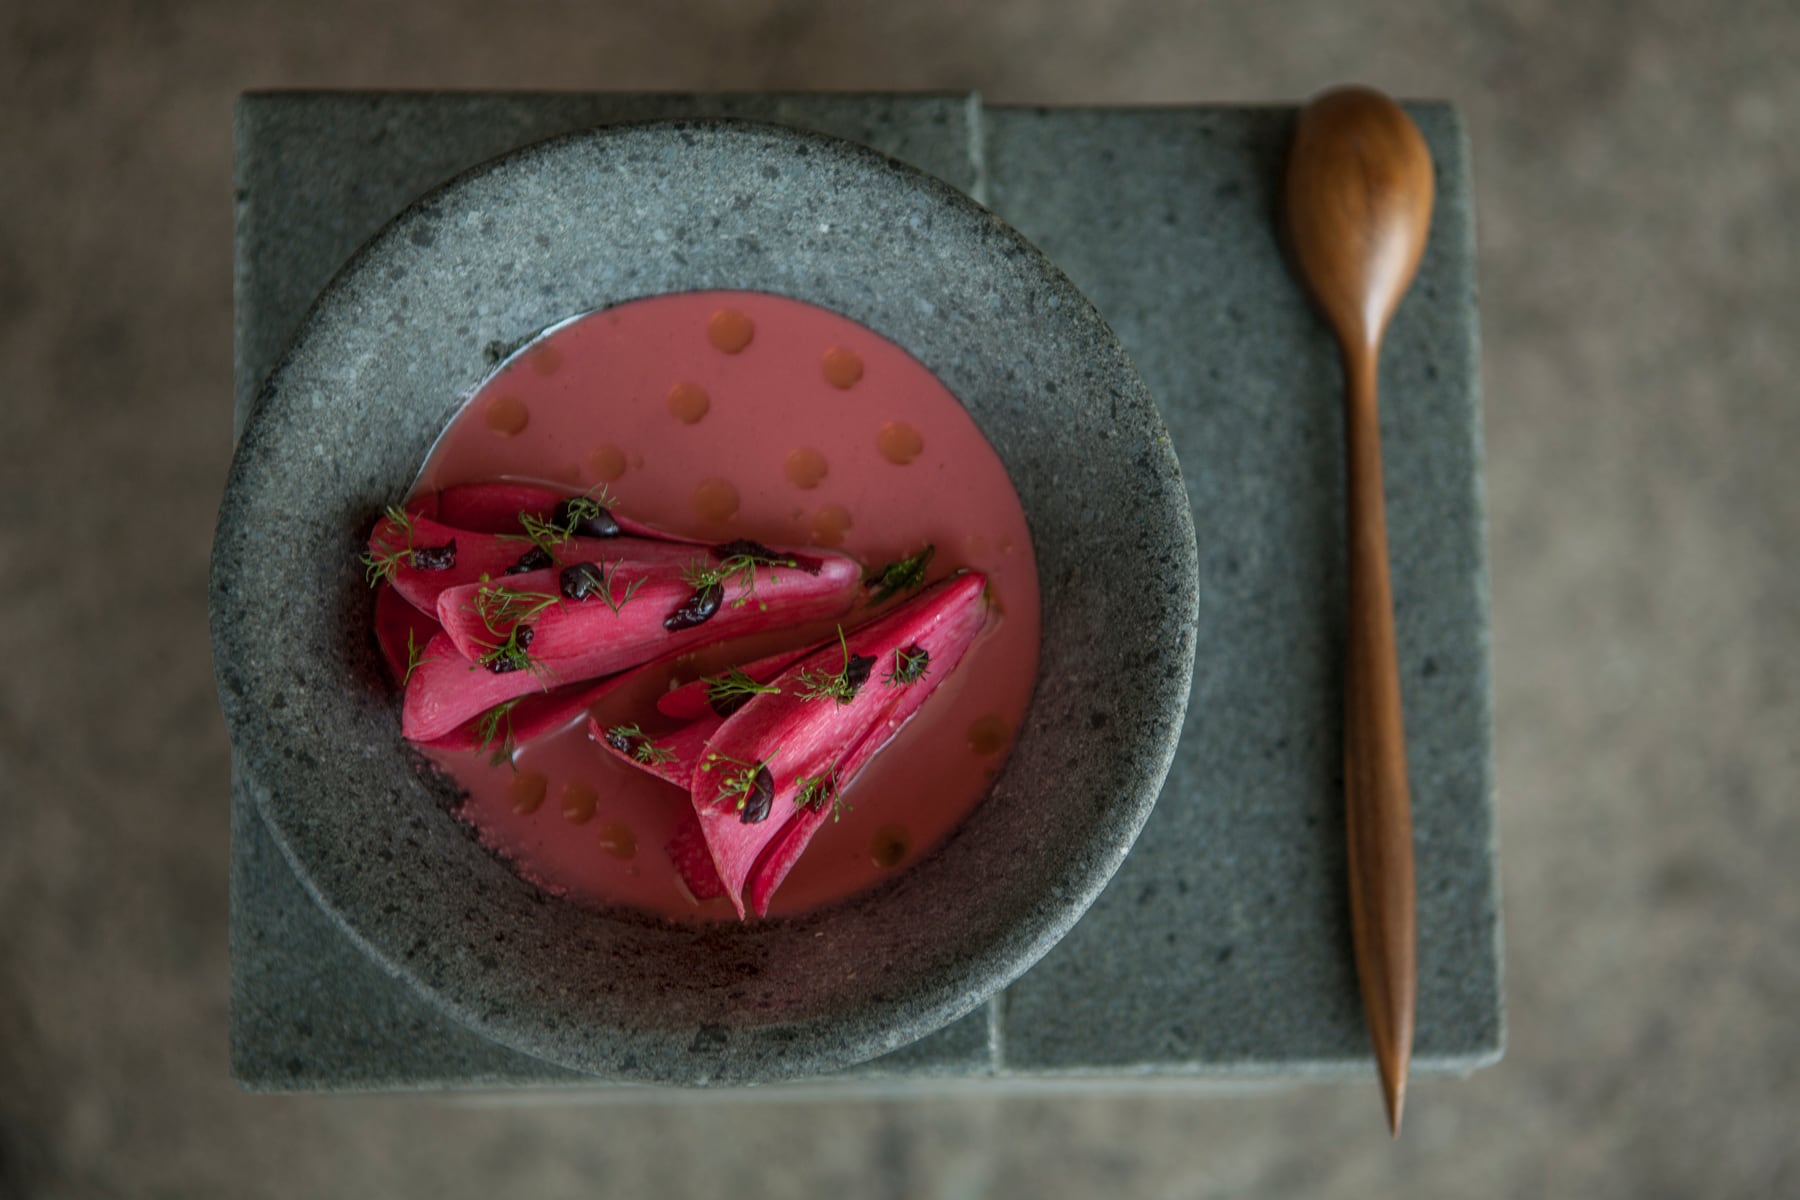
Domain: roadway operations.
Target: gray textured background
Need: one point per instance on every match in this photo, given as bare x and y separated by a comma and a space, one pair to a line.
1636, 185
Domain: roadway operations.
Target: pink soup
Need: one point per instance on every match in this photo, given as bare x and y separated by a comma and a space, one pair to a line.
722, 415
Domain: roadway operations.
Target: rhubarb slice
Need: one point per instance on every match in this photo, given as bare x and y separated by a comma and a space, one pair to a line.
692, 859
497, 507
671, 757
531, 632
401, 631
447, 689
726, 691
424, 558
774, 771
494, 507
527, 718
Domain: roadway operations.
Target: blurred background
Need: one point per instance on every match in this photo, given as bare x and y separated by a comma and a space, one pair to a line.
1638, 250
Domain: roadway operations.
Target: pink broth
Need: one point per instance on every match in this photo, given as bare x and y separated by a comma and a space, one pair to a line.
722, 415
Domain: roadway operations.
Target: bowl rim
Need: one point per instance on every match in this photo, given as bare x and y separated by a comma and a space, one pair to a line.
884, 1023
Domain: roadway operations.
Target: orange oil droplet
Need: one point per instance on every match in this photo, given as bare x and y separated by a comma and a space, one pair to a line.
805, 467
618, 840
730, 330
507, 415
688, 402
989, 735
899, 442
545, 360
842, 367
607, 462
578, 800
887, 849
526, 792
715, 500
829, 524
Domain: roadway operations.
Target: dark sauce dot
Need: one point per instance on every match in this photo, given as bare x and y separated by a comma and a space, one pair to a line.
434, 558
760, 799
697, 609
746, 548
580, 581
856, 671
506, 664
534, 559
600, 525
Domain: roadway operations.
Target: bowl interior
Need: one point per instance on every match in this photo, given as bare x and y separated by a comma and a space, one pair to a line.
408, 330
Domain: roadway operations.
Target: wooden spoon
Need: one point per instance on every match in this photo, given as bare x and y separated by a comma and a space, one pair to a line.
1359, 193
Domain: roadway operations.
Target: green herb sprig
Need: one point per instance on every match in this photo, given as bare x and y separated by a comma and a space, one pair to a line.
635, 742
734, 686
596, 578
910, 665
496, 731
739, 781
507, 614
415, 656
736, 569
890, 580
547, 534
383, 560
841, 685
818, 790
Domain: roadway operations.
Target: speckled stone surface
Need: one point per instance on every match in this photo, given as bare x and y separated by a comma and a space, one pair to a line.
1225, 942
1221, 948
417, 320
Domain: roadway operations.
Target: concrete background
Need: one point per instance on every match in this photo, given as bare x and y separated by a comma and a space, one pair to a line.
1638, 258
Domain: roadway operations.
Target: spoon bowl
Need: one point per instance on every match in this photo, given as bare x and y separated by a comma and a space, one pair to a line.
1359, 195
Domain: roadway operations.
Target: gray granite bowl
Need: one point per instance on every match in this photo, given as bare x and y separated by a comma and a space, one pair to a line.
405, 333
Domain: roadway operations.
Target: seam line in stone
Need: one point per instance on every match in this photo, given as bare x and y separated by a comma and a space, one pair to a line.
996, 1034
977, 119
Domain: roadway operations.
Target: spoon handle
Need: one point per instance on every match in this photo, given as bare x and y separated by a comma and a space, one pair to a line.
1378, 811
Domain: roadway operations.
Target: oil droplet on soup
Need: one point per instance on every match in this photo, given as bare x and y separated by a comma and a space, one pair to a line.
887, 849
716, 500
688, 402
618, 840
730, 330
607, 462
989, 735
829, 525
842, 367
526, 792
578, 800
507, 415
899, 442
805, 468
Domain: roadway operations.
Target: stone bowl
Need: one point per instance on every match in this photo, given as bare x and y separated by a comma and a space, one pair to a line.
402, 337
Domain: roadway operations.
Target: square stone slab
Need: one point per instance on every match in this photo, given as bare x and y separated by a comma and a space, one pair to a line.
1222, 947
